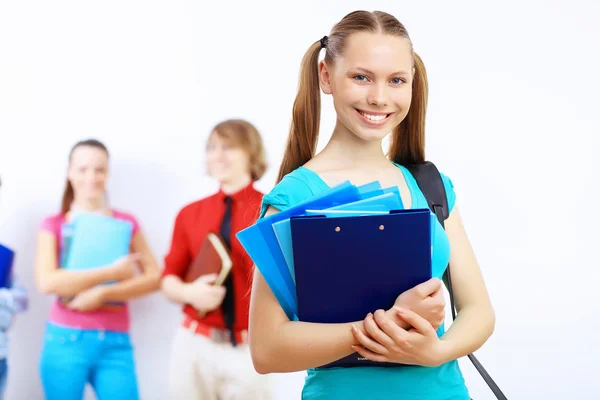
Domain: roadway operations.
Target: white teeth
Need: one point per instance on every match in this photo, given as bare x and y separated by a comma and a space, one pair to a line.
373, 117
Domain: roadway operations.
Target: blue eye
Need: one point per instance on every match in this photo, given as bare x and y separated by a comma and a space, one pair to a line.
398, 81
361, 78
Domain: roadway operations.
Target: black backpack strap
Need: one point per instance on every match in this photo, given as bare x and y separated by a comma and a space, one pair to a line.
431, 184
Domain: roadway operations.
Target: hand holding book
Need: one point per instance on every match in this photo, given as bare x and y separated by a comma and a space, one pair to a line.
383, 341
426, 299
89, 300
204, 295
93, 298
206, 274
127, 266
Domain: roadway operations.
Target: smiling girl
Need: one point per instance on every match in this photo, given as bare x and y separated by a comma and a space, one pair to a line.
378, 85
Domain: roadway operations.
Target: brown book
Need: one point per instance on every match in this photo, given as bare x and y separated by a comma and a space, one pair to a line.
213, 258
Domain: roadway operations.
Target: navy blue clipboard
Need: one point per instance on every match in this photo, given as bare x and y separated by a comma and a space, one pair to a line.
347, 267
7, 257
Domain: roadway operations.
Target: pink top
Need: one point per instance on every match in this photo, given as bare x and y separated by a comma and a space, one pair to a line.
110, 319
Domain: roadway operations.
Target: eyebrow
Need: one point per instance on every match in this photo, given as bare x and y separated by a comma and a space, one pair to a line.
366, 71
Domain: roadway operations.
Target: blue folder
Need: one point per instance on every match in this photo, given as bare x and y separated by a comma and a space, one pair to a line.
94, 240
260, 241
382, 200
7, 257
347, 267
66, 234
97, 240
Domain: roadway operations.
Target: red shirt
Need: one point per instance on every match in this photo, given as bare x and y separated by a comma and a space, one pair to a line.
192, 225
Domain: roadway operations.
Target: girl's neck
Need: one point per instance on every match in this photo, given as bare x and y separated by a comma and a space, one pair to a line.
350, 151
89, 205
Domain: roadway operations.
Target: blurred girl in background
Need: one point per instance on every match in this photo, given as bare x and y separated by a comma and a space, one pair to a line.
87, 341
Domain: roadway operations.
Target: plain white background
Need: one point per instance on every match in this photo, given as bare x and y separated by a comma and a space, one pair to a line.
513, 120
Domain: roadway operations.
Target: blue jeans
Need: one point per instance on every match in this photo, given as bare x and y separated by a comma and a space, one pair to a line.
3, 377
73, 357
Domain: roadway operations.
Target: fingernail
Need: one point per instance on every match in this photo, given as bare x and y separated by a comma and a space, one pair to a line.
354, 328
400, 310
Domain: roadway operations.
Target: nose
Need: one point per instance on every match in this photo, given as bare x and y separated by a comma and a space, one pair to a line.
92, 176
220, 154
216, 154
377, 96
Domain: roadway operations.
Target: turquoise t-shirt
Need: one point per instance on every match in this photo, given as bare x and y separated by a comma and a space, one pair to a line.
445, 382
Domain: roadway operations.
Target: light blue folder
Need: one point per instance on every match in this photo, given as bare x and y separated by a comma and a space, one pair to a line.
374, 186
97, 240
379, 203
329, 213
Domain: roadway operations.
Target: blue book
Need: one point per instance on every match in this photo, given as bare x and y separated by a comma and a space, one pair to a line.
346, 267
261, 244
7, 257
94, 241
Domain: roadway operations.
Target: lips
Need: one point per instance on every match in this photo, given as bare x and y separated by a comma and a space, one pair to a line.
373, 118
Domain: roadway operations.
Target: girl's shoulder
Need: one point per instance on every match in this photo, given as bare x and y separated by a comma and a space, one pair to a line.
294, 188
52, 223
125, 216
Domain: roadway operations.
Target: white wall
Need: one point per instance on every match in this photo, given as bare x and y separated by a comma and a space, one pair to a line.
513, 121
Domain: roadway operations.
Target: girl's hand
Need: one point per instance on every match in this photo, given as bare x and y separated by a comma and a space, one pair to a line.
88, 300
426, 299
388, 342
126, 267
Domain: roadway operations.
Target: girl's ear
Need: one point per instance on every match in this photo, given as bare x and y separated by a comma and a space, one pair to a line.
324, 78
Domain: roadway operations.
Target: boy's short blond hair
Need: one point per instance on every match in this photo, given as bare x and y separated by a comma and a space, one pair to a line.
242, 134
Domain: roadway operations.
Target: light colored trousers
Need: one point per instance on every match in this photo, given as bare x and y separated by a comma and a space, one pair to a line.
202, 369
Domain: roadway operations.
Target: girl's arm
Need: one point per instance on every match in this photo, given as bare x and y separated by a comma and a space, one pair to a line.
475, 318
50, 279
280, 345
148, 281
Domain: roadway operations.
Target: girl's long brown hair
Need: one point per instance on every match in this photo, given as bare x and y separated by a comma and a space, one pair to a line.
407, 144
68, 194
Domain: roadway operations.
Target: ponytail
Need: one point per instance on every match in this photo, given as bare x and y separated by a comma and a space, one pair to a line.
407, 145
306, 115
67, 198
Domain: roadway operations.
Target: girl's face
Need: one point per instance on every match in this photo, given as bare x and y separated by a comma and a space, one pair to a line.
371, 83
88, 172
224, 162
